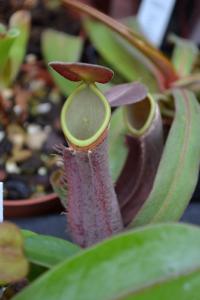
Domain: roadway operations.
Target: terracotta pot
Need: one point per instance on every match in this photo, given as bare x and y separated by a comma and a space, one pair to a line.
32, 207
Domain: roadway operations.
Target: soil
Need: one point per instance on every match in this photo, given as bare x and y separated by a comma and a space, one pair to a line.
27, 133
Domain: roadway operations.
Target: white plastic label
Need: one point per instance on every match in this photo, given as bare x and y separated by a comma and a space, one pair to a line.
153, 17
1, 201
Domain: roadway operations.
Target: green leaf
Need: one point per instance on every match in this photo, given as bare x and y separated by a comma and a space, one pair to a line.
6, 42
62, 47
178, 170
183, 287
22, 21
184, 55
28, 233
13, 264
118, 150
35, 271
125, 59
131, 262
47, 251
133, 24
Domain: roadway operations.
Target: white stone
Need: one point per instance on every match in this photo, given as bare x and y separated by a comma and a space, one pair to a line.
42, 171
11, 167
7, 93
43, 108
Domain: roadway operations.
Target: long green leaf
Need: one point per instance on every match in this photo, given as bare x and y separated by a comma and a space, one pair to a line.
118, 150
126, 60
184, 55
178, 170
133, 261
183, 287
20, 20
47, 251
6, 43
133, 24
158, 64
62, 47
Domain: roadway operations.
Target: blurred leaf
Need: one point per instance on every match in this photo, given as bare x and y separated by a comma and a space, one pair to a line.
35, 271
158, 64
22, 21
13, 264
132, 262
82, 71
126, 93
53, 4
2, 29
61, 47
183, 287
179, 167
47, 251
184, 55
125, 59
133, 24
28, 233
190, 82
6, 42
118, 150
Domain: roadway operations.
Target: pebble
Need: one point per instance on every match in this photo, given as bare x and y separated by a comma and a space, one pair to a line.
6, 147
36, 136
42, 171
16, 189
33, 128
7, 94
31, 165
31, 58
36, 85
17, 109
55, 97
11, 167
20, 155
16, 135
43, 108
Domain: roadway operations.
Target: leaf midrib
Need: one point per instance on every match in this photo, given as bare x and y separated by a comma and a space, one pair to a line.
153, 284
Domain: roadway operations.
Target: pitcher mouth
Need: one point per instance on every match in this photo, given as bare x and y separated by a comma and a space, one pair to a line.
139, 116
85, 116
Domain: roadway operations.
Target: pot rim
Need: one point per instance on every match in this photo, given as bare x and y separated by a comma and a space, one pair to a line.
30, 201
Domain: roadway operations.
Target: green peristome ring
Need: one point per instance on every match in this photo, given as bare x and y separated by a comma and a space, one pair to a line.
85, 115
139, 116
